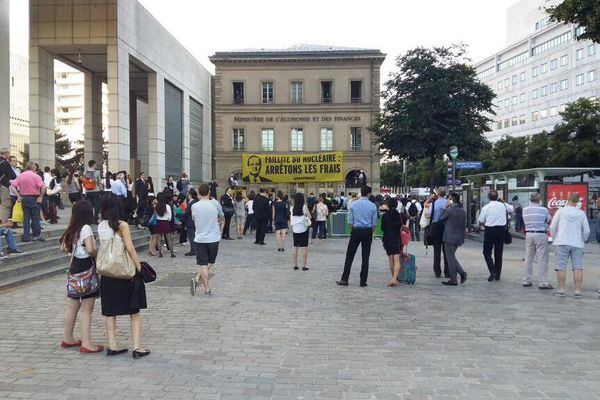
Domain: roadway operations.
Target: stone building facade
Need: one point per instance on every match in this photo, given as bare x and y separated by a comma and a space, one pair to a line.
300, 100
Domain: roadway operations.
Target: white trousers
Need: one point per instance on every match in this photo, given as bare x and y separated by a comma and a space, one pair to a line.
536, 244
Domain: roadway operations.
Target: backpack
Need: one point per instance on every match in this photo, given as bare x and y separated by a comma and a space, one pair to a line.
89, 180
413, 211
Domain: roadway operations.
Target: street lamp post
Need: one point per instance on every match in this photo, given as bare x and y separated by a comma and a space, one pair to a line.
454, 155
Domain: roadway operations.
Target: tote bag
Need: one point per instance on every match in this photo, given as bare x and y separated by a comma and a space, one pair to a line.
113, 260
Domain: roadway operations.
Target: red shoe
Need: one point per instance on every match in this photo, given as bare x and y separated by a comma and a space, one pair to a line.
86, 350
66, 345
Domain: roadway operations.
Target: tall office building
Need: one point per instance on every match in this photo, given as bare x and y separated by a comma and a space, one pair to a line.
69, 100
542, 69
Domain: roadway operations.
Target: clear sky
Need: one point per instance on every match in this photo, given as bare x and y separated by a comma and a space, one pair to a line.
394, 26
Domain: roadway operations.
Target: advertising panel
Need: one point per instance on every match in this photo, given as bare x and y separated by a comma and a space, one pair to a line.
293, 168
557, 195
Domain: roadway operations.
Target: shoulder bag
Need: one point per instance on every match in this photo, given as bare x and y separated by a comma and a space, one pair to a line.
507, 235
83, 283
114, 261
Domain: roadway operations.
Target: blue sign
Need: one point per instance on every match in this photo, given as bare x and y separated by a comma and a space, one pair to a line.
469, 165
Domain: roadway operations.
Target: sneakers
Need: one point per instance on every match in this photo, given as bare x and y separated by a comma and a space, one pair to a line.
547, 287
193, 286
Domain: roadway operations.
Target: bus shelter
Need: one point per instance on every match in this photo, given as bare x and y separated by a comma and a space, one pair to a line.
515, 186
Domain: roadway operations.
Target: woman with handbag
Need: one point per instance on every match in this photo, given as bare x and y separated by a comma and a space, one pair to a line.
300, 221
391, 225
118, 263
83, 286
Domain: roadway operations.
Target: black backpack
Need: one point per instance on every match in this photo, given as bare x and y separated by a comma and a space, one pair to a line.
413, 211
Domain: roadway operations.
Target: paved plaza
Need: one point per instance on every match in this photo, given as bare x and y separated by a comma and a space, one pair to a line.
269, 332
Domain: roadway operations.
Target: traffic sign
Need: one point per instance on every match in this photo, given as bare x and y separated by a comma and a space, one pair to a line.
454, 152
469, 165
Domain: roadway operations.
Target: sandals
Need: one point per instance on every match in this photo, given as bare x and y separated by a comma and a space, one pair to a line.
99, 348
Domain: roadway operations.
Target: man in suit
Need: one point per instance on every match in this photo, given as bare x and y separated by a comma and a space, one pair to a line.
227, 205
261, 209
454, 219
255, 165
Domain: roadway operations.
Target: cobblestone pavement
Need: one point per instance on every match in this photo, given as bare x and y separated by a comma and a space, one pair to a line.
269, 332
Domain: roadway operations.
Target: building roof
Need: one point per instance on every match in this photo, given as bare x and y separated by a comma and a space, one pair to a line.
298, 51
549, 171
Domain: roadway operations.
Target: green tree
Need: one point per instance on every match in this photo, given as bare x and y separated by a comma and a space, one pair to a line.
576, 141
391, 174
434, 101
538, 151
420, 174
585, 13
62, 149
506, 154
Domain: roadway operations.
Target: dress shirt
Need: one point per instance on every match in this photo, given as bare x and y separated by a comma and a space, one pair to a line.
28, 184
536, 218
118, 187
13, 191
438, 208
494, 213
362, 213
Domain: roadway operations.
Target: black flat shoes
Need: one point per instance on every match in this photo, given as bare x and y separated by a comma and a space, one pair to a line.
110, 352
139, 354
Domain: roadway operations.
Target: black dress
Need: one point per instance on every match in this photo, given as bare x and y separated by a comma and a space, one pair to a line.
391, 224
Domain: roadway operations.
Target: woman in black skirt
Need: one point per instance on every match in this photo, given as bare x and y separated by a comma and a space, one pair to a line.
164, 216
120, 296
79, 239
391, 224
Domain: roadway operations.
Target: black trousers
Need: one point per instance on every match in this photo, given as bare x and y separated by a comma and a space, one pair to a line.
249, 223
227, 225
364, 238
261, 229
438, 250
493, 239
95, 198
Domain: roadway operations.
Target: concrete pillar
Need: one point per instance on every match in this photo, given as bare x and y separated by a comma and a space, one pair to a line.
4, 74
93, 118
41, 107
118, 108
156, 128
142, 134
134, 164
186, 133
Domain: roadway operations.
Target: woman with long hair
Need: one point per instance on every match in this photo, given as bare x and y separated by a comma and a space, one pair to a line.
119, 294
391, 225
74, 186
150, 186
149, 211
78, 239
190, 226
239, 214
298, 221
280, 220
164, 216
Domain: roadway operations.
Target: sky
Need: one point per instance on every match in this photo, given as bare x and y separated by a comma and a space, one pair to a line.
393, 26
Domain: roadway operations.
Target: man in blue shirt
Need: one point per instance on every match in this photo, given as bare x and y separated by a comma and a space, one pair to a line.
437, 231
362, 217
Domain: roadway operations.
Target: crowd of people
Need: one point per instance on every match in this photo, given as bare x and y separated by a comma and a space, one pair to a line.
114, 202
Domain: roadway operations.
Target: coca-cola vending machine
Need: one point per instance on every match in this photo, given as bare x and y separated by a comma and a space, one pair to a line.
557, 196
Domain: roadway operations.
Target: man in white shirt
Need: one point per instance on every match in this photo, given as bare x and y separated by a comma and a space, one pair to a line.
570, 230
209, 220
494, 216
536, 220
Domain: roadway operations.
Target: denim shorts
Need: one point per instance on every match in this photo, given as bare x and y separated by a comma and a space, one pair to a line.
564, 253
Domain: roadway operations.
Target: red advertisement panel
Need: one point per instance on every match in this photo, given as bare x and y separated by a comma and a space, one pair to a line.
557, 195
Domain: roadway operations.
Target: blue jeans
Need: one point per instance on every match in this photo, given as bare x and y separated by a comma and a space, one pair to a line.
10, 239
31, 217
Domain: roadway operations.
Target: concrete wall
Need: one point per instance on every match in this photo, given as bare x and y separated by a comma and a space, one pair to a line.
4, 75
148, 42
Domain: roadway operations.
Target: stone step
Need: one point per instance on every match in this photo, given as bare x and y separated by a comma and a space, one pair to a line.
16, 273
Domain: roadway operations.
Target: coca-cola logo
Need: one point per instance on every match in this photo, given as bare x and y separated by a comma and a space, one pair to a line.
555, 202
